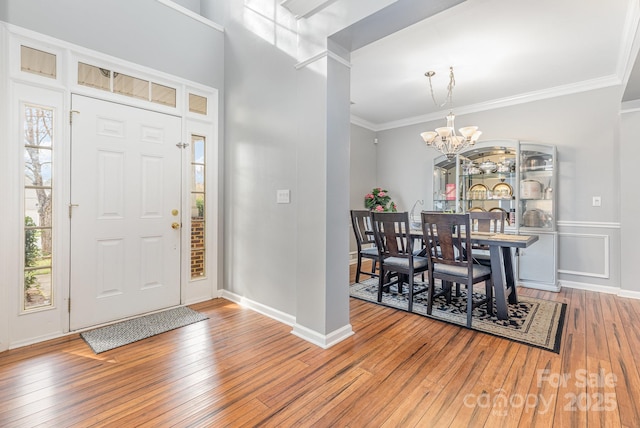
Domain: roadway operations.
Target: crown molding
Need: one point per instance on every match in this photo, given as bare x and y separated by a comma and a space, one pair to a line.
356, 120
630, 107
558, 91
191, 14
321, 55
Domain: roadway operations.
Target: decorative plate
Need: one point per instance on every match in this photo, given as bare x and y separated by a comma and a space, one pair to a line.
474, 209
478, 186
499, 209
502, 191
477, 191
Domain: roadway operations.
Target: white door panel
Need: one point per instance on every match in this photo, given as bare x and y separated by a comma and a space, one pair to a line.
125, 180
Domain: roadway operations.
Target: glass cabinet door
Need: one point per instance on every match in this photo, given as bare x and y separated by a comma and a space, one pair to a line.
537, 184
488, 179
445, 194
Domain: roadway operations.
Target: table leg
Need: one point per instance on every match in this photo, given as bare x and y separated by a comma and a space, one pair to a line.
498, 274
509, 276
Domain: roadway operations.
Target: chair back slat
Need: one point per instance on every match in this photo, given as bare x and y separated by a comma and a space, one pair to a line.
390, 231
487, 222
362, 228
447, 238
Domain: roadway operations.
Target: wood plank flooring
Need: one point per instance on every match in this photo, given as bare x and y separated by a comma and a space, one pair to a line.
240, 368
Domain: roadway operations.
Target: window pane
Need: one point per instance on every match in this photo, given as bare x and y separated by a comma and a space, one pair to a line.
38, 288
95, 77
37, 206
37, 167
197, 146
197, 104
197, 178
38, 126
37, 62
197, 205
131, 86
163, 95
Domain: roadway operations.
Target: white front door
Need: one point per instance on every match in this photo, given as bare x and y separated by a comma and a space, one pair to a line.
125, 197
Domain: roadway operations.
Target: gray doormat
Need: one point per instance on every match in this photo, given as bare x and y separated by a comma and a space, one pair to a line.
115, 335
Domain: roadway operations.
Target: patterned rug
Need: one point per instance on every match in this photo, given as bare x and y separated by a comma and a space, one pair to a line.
115, 335
531, 321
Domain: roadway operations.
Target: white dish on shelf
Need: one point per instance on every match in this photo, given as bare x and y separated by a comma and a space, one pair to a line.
530, 189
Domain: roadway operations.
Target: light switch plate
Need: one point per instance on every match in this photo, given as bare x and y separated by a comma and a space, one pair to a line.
283, 196
597, 201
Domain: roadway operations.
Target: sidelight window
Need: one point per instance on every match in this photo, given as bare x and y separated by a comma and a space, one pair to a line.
198, 207
38, 209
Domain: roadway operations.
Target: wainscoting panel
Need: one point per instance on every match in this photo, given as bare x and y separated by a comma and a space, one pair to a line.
584, 254
589, 255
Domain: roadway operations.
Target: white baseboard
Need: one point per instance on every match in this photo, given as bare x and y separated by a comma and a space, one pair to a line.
321, 340
602, 289
629, 293
324, 341
540, 286
260, 308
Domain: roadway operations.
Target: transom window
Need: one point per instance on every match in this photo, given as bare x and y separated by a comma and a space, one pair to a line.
37, 62
123, 84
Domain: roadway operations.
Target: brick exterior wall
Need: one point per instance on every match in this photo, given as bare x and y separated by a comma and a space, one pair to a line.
197, 248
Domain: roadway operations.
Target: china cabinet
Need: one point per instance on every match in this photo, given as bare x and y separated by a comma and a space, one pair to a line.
518, 178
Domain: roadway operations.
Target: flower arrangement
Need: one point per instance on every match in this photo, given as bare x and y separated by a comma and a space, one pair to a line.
379, 200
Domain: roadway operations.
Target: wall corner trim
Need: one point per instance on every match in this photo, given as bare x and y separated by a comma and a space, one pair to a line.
324, 341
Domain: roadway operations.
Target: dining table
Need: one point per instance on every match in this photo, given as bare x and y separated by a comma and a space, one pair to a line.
502, 266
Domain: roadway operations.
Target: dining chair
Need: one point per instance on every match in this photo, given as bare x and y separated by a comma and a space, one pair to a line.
365, 241
396, 253
486, 222
450, 259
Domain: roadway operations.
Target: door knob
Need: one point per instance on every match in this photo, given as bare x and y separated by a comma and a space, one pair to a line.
175, 225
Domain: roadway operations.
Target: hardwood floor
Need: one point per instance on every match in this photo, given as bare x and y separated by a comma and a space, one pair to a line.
239, 368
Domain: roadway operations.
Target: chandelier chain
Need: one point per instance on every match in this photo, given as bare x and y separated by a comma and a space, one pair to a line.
450, 86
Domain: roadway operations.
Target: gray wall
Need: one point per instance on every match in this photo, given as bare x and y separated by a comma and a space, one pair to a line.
261, 157
630, 202
363, 170
144, 32
585, 129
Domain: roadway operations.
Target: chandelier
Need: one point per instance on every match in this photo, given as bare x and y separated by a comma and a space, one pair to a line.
445, 139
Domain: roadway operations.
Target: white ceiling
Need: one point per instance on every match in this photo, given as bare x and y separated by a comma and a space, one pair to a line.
502, 51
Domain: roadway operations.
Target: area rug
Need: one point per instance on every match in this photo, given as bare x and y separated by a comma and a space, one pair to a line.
115, 335
532, 321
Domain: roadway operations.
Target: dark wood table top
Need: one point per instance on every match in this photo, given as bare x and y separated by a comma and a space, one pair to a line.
495, 239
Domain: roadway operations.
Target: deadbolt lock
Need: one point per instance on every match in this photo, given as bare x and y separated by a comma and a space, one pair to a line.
174, 212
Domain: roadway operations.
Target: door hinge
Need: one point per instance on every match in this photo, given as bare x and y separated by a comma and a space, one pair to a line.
71, 208
182, 145
69, 305
71, 115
